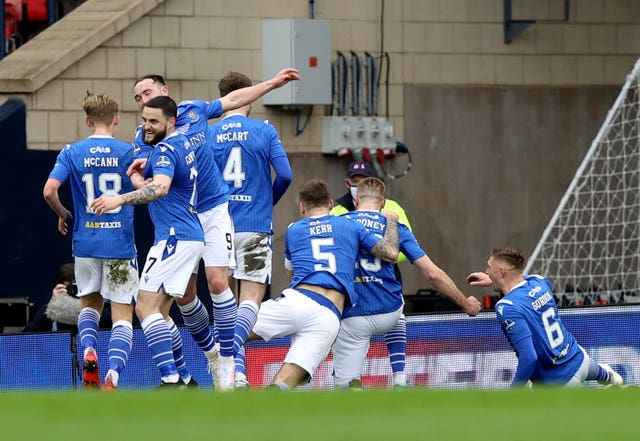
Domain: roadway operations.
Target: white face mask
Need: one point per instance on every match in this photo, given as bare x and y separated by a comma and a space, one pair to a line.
353, 189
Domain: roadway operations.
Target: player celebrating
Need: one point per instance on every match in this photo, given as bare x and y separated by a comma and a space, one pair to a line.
104, 249
320, 251
380, 300
245, 150
547, 352
212, 207
170, 191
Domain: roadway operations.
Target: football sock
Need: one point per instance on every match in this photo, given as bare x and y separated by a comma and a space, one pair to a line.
178, 356
225, 311
88, 320
120, 345
196, 320
597, 372
158, 336
247, 316
396, 340
240, 361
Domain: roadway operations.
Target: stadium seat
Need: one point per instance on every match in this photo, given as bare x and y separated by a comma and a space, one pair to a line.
36, 10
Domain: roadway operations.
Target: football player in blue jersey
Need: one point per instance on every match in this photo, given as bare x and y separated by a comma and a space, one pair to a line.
213, 197
547, 352
320, 253
245, 150
380, 300
103, 248
168, 184
396, 338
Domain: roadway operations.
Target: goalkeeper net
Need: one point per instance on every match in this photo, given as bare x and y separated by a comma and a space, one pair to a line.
590, 250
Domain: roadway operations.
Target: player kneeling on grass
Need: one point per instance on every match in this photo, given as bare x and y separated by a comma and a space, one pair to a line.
547, 352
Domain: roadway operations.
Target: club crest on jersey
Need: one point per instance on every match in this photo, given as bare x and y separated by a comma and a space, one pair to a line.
163, 161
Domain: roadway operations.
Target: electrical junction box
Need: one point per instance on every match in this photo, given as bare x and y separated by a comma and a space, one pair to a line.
305, 45
340, 133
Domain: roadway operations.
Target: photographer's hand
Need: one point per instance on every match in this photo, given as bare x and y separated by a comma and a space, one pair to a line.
59, 290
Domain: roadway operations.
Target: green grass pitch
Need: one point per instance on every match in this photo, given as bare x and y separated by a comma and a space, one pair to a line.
416, 414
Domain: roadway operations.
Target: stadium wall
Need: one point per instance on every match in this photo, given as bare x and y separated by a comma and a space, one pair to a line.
442, 52
444, 351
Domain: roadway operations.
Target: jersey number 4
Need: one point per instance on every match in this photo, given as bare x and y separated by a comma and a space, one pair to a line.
233, 168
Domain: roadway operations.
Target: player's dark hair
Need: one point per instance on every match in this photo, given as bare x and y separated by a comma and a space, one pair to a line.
166, 104
100, 109
233, 81
315, 193
66, 273
153, 77
511, 255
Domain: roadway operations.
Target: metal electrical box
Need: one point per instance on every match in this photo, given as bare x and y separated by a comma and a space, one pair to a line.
305, 45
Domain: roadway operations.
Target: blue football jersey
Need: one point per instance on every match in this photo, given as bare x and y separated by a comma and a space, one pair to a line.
244, 149
529, 309
140, 148
193, 122
95, 167
175, 214
379, 291
322, 251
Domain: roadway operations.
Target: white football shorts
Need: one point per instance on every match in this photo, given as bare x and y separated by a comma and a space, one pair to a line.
114, 279
312, 327
219, 247
169, 267
351, 347
253, 257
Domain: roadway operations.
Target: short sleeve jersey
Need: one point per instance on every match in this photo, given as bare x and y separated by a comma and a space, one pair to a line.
97, 166
379, 291
244, 149
529, 309
322, 251
175, 214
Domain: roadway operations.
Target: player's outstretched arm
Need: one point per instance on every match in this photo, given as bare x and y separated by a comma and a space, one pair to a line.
478, 279
247, 95
156, 189
446, 286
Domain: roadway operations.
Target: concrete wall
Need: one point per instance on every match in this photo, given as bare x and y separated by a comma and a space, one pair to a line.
543, 96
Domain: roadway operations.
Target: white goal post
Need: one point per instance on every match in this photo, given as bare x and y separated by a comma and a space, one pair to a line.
590, 250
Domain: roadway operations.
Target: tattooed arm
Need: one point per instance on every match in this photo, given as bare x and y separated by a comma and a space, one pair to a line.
157, 188
387, 247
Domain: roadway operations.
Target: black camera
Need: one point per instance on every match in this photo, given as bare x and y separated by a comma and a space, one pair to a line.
72, 289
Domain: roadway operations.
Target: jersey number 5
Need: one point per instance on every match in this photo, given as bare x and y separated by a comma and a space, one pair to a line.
326, 256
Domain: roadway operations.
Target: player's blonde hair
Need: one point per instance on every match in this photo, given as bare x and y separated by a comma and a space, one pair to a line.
510, 255
372, 189
101, 109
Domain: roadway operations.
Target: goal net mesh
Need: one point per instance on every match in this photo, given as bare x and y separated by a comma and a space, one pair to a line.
590, 250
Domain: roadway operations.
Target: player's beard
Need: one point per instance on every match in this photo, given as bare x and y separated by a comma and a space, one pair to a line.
154, 137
